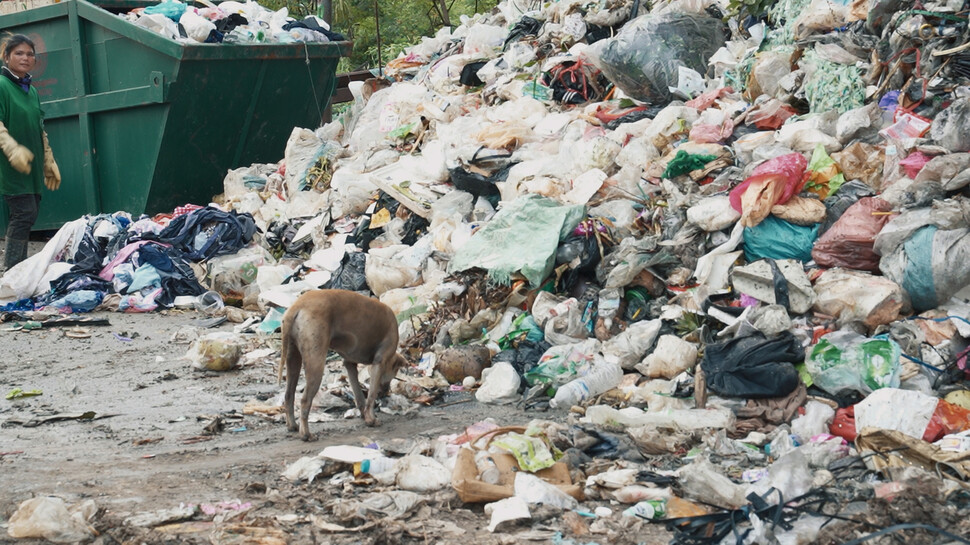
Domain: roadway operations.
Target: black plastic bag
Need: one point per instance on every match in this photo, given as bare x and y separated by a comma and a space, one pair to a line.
350, 276
753, 366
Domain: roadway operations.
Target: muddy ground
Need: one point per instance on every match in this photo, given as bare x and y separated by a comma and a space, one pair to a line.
147, 447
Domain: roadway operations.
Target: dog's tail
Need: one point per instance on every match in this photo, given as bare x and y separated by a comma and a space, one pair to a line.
288, 319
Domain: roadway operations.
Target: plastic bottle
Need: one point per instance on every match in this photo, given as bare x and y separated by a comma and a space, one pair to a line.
374, 466
602, 377
649, 509
488, 472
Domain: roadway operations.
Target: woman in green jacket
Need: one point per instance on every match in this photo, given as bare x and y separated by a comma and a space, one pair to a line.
27, 160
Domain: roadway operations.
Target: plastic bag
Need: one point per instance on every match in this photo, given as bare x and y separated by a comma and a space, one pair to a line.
770, 115
824, 175
776, 238
500, 384
821, 15
753, 366
930, 265
859, 296
837, 204
418, 473
861, 161
196, 27
671, 357
768, 70
560, 364
713, 213
50, 518
951, 171
645, 57
772, 182
814, 422
702, 482
849, 242
216, 351
802, 211
949, 126
628, 347
845, 360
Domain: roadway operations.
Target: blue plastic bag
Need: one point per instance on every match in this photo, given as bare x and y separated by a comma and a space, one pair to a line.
778, 239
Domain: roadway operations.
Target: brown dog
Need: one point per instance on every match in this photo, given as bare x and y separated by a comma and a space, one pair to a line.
360, 329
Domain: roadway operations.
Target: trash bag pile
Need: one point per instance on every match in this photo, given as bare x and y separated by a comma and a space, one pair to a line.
727, 241
229, 22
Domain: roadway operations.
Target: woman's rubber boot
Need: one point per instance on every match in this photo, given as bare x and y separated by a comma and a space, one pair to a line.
15, 252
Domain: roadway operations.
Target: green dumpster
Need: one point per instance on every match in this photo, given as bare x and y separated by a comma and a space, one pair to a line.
142, 123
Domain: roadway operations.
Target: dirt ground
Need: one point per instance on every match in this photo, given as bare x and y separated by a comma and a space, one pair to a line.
146, 448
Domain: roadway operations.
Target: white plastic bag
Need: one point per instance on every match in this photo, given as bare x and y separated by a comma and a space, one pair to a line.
421, 474
672, 357
713, 213
50, 518
500, 384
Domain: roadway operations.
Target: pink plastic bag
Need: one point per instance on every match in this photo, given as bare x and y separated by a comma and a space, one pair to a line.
914, 162
773, 182
848, 243
711, 134
706, 100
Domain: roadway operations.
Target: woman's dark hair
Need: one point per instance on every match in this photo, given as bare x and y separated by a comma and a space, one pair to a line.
13, 40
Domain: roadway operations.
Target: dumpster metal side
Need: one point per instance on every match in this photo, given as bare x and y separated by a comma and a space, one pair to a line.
142, 123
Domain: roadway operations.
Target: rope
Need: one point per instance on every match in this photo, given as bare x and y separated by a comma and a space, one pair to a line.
313, 86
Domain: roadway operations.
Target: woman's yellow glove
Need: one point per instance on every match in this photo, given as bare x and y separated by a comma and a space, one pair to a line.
19, 156
52, 174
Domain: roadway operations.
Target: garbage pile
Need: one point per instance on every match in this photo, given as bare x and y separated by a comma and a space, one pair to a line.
229, 22
733, 251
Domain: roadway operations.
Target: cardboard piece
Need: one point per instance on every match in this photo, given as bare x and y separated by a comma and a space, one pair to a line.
472, 490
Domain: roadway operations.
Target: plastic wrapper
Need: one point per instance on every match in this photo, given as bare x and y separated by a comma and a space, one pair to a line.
849, 242
845, 360
644, 59
772, 182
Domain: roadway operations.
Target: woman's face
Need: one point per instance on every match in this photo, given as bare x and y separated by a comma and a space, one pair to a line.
20, 60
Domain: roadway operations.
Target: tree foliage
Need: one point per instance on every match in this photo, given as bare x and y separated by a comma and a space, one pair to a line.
402, 23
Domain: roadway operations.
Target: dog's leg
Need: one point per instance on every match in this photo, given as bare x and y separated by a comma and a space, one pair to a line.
294, 362
351, 367
382, 372
314, 367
